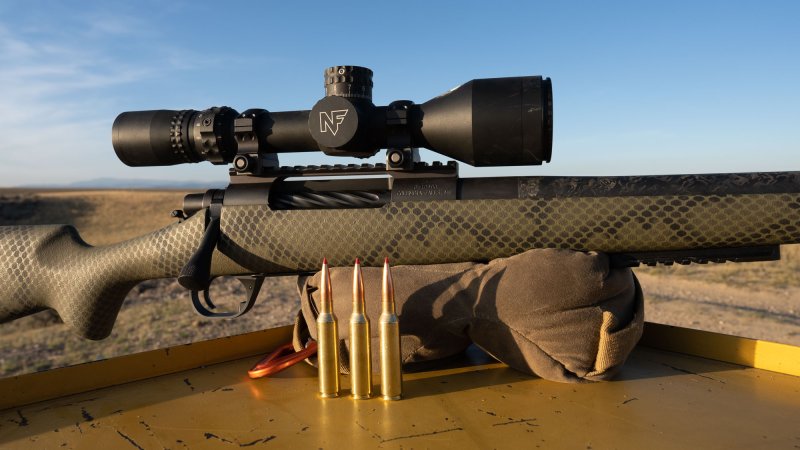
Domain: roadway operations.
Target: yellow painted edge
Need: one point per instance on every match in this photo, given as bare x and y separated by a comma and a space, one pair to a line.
35, 387
772, 356
30, 388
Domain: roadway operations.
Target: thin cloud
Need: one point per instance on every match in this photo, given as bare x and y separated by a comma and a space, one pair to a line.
105, 24
56, 95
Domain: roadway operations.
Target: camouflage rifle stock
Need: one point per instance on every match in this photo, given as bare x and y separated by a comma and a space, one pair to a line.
288, 228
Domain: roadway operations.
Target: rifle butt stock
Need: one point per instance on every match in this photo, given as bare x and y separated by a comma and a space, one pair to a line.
50, 266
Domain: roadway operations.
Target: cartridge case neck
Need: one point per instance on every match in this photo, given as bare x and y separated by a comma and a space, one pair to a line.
387, 305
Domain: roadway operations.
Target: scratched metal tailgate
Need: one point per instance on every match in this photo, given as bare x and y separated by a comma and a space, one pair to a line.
661, 400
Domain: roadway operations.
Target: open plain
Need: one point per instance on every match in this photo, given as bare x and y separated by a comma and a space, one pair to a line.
758, 300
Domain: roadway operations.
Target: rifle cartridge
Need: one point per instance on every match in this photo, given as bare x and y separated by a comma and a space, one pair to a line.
360, 352
391, 369
327, 340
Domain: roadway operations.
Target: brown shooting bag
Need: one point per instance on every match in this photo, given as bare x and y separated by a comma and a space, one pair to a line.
562, 315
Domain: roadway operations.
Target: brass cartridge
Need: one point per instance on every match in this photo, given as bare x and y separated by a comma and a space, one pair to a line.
391, 370
327, 339
360, 354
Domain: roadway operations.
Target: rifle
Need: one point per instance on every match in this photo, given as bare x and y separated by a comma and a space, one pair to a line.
277, 220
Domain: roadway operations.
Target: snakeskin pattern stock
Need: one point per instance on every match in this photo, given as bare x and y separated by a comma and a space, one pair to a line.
51, 267
262, 240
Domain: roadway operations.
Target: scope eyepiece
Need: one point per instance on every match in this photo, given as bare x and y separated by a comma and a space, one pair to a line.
484, 122
154, 138
166, 137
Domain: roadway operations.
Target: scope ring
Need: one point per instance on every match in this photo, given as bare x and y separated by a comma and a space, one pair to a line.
213, 135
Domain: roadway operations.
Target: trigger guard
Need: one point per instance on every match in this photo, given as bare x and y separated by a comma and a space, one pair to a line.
253, 285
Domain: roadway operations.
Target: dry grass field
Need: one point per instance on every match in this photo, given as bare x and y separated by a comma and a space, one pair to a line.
760, 300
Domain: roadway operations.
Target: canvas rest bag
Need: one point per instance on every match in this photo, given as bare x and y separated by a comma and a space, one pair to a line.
559, 314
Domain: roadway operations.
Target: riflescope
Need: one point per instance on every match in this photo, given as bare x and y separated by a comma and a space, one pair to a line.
484, 122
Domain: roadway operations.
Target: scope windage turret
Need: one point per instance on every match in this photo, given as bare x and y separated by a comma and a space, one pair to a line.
484, 122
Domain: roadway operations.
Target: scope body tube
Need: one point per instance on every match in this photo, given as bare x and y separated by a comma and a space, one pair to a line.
288, 132
52, 267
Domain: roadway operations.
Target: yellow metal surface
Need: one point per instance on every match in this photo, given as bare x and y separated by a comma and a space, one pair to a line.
660, 400
764, 355
24, 389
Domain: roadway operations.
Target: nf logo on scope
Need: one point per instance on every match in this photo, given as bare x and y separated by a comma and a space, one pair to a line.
330, 121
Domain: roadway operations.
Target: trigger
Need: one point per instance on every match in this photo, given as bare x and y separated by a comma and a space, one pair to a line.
196, 273
251, 283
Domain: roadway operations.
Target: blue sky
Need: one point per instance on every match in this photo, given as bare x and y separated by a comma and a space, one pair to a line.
667, 87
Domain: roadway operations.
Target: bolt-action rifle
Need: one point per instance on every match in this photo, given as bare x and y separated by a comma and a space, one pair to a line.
274, 220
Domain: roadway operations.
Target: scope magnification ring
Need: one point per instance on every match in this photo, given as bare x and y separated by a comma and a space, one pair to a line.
179, 136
